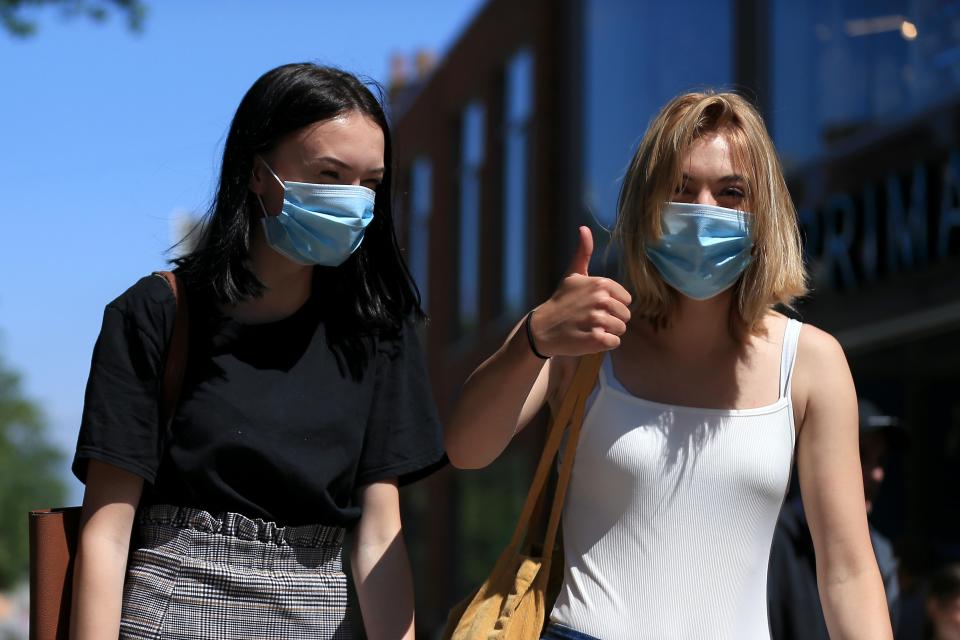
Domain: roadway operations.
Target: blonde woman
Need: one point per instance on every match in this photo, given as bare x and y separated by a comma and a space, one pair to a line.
706, 397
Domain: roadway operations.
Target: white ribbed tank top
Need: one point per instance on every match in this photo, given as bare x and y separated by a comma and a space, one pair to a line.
670, 514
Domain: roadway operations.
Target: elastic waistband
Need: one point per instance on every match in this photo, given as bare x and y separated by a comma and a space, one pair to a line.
234, 539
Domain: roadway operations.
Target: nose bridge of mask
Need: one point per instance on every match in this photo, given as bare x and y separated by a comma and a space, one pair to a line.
300, 192
707, 212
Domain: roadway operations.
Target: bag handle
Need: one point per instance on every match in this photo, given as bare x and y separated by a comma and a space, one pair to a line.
176, 361
591, 365
570, 412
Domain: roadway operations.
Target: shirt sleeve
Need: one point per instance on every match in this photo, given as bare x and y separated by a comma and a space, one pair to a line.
402, 438
121, 413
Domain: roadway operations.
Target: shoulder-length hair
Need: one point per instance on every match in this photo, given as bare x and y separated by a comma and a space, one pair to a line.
372, 289
776, 274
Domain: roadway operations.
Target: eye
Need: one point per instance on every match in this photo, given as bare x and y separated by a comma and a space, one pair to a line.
371, 184
683, 193
330, 174
734, 192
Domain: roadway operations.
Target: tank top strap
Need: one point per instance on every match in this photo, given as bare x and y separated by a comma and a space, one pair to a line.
607, 378
606, 371
788, 355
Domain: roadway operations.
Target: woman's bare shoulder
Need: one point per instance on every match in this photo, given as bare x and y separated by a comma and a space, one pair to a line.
814, 343
818, 346
821, 368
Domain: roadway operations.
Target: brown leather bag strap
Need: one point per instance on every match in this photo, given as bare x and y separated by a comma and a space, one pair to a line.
176, 362
580, 387
566, 468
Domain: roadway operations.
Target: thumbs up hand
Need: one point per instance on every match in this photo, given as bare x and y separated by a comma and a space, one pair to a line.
585, 314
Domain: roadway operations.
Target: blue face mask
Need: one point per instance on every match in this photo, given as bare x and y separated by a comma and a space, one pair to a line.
319, 223
703, 249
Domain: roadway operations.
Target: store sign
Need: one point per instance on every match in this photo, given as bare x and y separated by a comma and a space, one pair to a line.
899, 224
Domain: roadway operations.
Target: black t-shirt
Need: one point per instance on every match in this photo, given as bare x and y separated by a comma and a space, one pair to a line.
271, 422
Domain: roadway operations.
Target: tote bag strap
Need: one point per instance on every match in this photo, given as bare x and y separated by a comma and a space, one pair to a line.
591, 365
570, 412
176, 361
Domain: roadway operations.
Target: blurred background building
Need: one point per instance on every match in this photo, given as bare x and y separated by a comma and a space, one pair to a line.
519, 133
523, 130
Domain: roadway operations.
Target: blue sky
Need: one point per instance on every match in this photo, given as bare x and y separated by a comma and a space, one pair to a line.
107, 135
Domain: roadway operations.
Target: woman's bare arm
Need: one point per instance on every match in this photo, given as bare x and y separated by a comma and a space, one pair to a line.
828, 462
584, 315
109, 504
381, 569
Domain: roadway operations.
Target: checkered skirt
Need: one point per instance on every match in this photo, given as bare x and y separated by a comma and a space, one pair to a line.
196, 575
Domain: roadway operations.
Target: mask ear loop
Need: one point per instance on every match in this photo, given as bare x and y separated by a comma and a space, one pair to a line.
275, 177
262, 208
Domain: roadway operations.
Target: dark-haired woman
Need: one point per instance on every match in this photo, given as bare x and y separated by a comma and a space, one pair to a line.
304, 403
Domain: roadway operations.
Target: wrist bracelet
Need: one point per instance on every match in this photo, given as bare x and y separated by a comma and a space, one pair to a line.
533, 345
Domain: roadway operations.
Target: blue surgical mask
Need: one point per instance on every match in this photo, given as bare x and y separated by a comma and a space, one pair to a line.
319, 223
703, 249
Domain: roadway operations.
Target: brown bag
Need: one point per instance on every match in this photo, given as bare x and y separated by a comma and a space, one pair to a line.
54, 532
512, 603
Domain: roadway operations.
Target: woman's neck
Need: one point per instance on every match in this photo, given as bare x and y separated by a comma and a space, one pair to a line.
287, 285
697, 329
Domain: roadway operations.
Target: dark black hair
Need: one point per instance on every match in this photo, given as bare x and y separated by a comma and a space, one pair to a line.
373, 289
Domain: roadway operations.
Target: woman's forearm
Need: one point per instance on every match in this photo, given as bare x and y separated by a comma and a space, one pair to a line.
109, 505
854, 605
381, 570
97, 587
491, 405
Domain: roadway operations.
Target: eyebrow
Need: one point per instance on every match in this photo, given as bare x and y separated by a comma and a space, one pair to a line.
343, 165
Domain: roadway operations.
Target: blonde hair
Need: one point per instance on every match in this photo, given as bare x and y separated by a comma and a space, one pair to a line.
776, 274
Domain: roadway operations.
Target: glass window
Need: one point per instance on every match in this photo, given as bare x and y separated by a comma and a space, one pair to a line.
519, 106
840, 66
639, 55
471, 163
421, 202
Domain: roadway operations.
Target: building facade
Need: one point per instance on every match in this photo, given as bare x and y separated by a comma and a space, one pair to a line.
522, 132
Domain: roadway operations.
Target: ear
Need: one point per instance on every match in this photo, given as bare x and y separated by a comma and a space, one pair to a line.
256, 184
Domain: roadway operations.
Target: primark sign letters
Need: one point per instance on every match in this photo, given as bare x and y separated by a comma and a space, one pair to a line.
895, 225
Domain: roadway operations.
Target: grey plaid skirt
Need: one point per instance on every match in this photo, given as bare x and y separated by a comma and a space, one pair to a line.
195, 575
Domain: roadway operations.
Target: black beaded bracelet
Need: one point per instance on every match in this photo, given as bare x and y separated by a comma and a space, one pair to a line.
533, 345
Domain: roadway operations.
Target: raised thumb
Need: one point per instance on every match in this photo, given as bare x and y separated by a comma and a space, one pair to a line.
581, 258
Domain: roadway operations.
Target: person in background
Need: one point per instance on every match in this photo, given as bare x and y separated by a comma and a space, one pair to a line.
943, 603
793, 600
